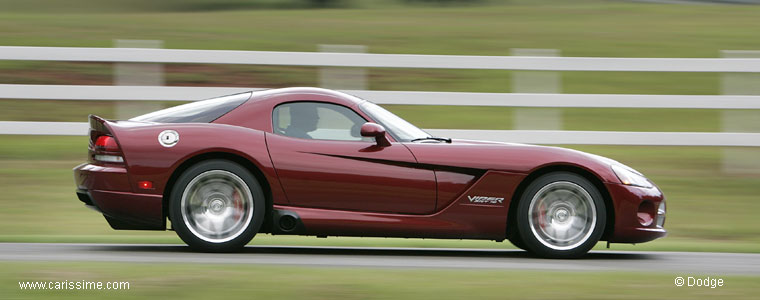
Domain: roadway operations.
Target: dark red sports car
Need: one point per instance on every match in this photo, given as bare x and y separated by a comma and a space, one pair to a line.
311, 161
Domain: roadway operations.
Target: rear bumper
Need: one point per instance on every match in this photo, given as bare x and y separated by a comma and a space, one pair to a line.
107, 189
629, 202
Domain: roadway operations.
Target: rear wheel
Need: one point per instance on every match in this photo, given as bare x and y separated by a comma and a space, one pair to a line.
217, 206
560, 215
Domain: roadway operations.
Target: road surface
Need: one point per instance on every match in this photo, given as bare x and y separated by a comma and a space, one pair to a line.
670, 262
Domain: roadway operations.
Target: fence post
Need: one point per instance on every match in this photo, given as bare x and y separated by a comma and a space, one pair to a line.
537, 82
340, 77
738, 160
137, 74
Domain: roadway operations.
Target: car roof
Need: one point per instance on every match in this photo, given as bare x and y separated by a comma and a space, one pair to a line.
256, 113
339, 97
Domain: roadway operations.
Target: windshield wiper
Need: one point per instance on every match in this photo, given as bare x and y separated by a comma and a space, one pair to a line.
440, 139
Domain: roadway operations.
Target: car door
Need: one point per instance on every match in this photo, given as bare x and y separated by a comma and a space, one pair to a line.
323, 162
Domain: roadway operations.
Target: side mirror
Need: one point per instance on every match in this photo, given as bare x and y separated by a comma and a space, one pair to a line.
376, 131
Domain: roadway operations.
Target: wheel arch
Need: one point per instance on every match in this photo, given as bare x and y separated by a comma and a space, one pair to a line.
590, 176
246, 163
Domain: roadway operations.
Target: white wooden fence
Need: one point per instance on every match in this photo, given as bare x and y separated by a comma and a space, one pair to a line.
137, 93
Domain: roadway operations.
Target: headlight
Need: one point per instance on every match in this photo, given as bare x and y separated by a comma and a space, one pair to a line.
629, 176
661, 215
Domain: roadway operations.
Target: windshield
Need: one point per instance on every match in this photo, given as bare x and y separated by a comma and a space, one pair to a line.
399, 128
204, 111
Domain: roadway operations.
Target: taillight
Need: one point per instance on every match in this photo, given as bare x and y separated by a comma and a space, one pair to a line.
109, 158
106, 143
107, 150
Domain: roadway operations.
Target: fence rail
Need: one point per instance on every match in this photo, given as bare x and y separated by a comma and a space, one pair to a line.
174, 93
366, 60
137, 93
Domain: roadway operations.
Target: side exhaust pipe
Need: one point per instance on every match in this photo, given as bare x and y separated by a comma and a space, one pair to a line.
286, 222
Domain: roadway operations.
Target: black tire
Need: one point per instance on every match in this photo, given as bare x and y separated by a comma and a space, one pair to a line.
517, 241
564, 194
226, 186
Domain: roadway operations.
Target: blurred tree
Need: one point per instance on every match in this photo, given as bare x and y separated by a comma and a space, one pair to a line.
327, 3
444, 2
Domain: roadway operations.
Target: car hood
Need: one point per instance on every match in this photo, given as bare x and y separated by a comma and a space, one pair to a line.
508, 157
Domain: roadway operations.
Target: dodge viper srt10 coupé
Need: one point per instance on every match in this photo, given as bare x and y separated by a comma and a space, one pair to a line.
311, 161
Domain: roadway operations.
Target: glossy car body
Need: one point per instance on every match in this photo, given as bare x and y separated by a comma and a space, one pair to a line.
350, 188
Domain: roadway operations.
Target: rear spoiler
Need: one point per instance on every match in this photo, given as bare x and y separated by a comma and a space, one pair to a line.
98, 126
104, 146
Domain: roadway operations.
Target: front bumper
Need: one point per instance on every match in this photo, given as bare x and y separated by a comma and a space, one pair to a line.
631, 203
108, 190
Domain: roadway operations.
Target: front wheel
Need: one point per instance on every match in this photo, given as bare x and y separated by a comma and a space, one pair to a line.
217, 206
561, 215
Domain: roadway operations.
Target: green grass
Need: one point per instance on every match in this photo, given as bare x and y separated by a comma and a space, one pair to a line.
112, 6
281, 282
588, 28
634, 119
577, 28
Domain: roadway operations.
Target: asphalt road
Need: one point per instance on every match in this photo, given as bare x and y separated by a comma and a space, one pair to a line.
671, 262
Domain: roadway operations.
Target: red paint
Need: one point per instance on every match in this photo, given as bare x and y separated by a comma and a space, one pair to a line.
94, 177
345, 187
359, 176
458, 220
627, 201
138, 209
451, 185
376, 131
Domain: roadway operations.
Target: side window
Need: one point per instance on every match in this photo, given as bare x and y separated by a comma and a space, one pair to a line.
319, 121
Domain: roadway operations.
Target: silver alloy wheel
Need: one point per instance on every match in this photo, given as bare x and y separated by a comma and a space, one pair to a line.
562, 215
217, 206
